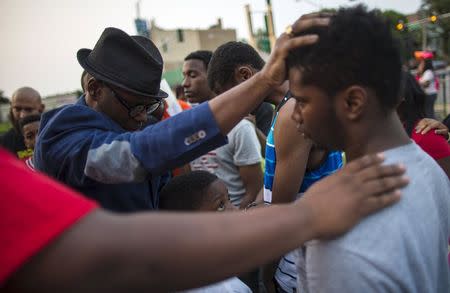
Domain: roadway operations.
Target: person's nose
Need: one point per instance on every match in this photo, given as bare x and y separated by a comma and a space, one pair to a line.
23, 113
141, 117
185, 83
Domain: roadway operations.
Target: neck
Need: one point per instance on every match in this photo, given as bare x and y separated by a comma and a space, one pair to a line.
383, 134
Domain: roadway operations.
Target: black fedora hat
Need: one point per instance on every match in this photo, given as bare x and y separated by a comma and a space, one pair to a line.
130, 63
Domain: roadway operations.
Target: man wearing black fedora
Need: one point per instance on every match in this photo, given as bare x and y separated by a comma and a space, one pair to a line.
97, 148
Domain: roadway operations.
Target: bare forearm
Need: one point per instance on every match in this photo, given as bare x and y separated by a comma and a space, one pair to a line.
143, 252
248, 95
230, 245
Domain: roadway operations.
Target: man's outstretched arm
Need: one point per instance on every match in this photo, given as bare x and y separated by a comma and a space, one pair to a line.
142, 252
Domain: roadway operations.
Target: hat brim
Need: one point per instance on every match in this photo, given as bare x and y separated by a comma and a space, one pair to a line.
82, 56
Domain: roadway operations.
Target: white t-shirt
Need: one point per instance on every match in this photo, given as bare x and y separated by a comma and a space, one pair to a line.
428, 75
243, 149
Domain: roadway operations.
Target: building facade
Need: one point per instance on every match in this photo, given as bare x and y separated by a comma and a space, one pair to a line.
176, 44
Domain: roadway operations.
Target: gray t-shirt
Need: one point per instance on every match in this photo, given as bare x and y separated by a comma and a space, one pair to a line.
243, 149
232, 285
403, 248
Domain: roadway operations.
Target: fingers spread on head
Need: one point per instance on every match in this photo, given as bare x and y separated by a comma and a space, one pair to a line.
303, 24
316, 15
296, 42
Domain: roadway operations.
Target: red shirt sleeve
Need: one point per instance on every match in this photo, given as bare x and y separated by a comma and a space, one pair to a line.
433, 144
34, 211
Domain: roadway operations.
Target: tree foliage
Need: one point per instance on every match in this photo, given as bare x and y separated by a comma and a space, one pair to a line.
3, 99
439, 7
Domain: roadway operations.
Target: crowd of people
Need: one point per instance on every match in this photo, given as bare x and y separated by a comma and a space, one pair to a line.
320, 170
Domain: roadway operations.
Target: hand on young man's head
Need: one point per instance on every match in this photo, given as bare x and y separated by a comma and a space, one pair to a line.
362, 187
275, 69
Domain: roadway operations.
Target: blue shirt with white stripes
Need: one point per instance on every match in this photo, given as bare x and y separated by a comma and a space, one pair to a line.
286, 272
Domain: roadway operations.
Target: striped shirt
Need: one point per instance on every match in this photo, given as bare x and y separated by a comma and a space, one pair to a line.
286, 274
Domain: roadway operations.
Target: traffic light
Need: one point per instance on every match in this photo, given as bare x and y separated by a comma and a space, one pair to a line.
400, 26
433, 18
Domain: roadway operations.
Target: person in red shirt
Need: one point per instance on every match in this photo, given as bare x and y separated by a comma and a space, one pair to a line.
411, 112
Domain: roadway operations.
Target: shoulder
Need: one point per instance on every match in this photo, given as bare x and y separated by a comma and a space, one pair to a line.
286, 135
75, 117
57, 209
284, 118
243, 127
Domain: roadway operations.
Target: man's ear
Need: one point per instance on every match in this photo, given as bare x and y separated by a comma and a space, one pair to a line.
42, 108
93, 88
354, 101
242, 73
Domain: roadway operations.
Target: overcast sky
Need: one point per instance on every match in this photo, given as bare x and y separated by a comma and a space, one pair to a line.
40, 38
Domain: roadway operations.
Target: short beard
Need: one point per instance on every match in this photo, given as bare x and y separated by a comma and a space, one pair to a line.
14, 122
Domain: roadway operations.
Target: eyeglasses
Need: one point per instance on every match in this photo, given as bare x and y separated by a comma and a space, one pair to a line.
138, 109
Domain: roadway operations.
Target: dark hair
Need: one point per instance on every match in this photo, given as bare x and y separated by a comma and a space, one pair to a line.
356, 49
202, 55
411, 109
186, 192
229, 56
428, 65
28, 119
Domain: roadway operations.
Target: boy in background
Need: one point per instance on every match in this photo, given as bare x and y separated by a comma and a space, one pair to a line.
201, 191
29, 127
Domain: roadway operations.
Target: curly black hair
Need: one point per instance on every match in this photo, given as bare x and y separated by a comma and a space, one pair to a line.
411, 108
229, 56
357, 48
186, 192
202, 55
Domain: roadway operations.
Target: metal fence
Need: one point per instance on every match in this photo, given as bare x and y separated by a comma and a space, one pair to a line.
442, 106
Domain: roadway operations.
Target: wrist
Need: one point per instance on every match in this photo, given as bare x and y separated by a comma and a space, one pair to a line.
306, 219
264, 79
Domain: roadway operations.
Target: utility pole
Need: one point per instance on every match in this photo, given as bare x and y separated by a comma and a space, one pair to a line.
251, 36
138, 9
270, 25
424, 36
